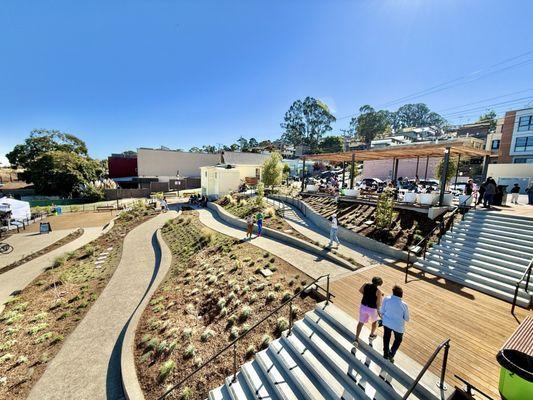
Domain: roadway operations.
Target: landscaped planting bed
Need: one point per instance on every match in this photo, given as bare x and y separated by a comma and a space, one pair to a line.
213, 293
36, 321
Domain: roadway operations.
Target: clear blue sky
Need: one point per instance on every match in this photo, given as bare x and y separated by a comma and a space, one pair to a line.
126, 74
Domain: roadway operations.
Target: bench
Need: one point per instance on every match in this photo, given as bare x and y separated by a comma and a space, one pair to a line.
105, 208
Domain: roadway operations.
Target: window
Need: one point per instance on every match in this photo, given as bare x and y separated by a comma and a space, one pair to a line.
523, 160
258, 173
495, 144
524, 143
525, 123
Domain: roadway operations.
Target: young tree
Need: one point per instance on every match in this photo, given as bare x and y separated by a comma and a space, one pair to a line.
370, 124
272, 170
286, 172
450, 173
306, 122
416, 116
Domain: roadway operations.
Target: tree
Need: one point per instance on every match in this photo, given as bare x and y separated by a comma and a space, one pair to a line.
42, 141
63, 173
195, 150
129, 153
416, 116
331, 144
489, 116
306, 122
209, 149
243, 143
286, 172
252, 143
450, 173
370, 124
272, 170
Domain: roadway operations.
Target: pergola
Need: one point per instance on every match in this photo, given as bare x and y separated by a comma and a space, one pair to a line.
466, 147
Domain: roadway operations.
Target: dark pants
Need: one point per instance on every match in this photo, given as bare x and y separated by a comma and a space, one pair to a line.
259, 226
488, 199
398, 337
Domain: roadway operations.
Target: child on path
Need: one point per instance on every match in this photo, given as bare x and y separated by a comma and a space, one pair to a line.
259, 217
395, 314
333, 231
250, 226
368, 310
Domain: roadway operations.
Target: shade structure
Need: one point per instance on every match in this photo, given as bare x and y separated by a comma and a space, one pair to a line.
467, 147
19, 209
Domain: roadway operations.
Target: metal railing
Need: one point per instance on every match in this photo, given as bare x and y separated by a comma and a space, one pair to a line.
525, 277
469, 387
234, 343
444, 345
422, 245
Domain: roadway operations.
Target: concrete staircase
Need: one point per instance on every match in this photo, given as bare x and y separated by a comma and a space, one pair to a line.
488, 252
315, 362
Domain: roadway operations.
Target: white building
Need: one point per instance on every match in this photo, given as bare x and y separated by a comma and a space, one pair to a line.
219, 180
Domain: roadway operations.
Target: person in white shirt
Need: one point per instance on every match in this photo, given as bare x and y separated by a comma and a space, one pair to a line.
394, 313
333, 231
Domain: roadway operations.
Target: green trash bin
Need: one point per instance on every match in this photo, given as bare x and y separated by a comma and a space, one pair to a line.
516, 361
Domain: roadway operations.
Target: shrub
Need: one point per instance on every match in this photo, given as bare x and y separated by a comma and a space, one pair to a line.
37, 328
231, 320
166, 369
234, 333
250, 351
265, 341
56, 338
271, 296
253, 299
223, 311
152, 344
189, 352
286, 297
245, 313
59, 261
197, 361
39, 317
6, 357
186, 333
221, 303
206, 335
281, 325
44, 337
277, 287
186, 394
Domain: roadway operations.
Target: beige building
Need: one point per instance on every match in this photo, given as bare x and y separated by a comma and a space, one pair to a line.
219, 180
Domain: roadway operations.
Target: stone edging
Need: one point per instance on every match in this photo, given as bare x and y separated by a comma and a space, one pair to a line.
130, 382
283, 237
343, 233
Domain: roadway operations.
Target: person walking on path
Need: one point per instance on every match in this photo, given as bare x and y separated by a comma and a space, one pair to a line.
490, 191
368, 310
259, 217
333, 231
249, 226
394, 313
515, 192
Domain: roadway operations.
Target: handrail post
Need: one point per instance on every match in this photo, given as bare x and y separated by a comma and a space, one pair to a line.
442, 385
234, 362
515, 296
327, 290
290, 318
408, 261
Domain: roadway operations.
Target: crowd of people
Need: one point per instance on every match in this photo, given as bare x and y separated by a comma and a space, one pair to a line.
198, 200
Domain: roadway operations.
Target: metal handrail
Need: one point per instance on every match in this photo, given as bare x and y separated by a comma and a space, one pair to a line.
422, 243
528, 273
469, 388
234, 342
441, 385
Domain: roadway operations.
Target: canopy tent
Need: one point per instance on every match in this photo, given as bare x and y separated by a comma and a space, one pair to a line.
19, 209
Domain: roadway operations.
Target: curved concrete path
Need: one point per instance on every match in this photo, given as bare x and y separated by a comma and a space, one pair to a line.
18, 278
88, 364
27, 243
306, 262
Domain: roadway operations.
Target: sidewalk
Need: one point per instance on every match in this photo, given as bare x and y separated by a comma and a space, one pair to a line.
88, 364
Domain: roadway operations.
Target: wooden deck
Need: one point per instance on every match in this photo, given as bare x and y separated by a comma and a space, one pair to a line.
477, 324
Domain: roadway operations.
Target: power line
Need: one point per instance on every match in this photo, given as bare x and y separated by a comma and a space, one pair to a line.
483, 100
490, 106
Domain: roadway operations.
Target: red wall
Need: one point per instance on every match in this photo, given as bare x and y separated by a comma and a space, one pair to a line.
121, 167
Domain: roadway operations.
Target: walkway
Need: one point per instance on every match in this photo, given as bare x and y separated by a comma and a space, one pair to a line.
26, 243
18, 278
306, 262
300, 223
88, 364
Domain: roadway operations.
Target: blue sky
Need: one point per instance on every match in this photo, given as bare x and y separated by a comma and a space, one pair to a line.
126, 74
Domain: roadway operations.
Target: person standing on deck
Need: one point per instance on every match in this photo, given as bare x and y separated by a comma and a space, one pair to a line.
490, 191
515, 192
395, 314
481, 192
333, 231
259, 217
368, 310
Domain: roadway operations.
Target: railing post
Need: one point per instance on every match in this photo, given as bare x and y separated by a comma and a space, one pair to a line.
290, 318
234, 362
528, 277
514, 298
327, 290
408, 261
442, 385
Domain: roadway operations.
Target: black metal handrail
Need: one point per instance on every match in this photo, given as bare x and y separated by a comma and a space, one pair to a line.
527, 273
423, 243
441, 385
470, 387
234, 342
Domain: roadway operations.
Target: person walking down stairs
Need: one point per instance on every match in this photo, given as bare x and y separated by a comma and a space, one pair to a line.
395, 314
369, 308
333, 231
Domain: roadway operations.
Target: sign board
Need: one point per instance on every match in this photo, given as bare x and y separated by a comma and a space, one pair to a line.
45, 227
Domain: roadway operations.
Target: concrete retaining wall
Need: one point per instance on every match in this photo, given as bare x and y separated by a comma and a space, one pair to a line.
283, 237
343, 233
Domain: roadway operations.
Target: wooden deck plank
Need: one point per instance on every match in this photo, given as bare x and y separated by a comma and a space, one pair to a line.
477, 324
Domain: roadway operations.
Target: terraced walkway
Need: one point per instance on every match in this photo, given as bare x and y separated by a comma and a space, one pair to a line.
88, 364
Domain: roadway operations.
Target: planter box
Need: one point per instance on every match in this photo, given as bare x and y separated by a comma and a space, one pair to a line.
311, 188
409, 197
351, 192
466, 200
447, 200
428, 199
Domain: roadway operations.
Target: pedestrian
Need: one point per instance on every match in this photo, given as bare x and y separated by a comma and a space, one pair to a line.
515, 192
164, 204
481, 192
333, 231
250, 226
259, 217
369, 308
529, 192
394, 314
490, 191
469, 187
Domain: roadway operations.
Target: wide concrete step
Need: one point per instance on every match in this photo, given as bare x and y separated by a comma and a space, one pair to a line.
239, 389
495, 236
475, 257
281, 384
500, 217
495, 230
463, 236
511, 221
258, 382
455, 276
220, 393
496, 250
496, 226
400, 372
